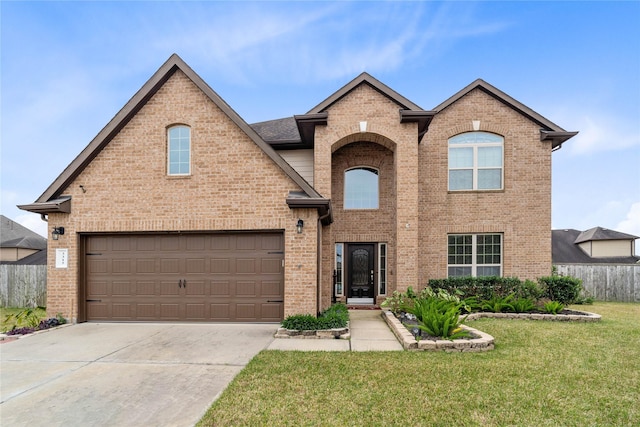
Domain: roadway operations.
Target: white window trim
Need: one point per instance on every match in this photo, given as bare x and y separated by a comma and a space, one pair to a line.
386, 269
475, 168
340, 277
169, 150
474, 252
344, 187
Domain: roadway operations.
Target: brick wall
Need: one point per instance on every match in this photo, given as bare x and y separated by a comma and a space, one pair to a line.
522, 211
233, 186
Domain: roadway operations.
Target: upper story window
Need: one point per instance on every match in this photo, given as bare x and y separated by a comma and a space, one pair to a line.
361, 188
475, 161
179, 150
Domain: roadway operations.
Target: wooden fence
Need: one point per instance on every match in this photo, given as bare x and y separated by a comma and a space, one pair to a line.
23, 285
606, 282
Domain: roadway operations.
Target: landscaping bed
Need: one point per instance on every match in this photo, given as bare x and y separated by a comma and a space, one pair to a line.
333, 323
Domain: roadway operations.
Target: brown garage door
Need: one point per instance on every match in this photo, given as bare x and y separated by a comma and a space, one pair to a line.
184, 277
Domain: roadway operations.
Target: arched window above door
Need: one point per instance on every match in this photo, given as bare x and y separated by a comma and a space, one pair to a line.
361, 188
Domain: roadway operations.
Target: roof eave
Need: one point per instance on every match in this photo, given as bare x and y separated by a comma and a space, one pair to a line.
323, 205
556, 138
60, 205
422, 117
307, 126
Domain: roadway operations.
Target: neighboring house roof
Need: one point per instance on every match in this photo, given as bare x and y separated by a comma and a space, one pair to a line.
44, 203
599, 233
37, 258
14, 235
565, 250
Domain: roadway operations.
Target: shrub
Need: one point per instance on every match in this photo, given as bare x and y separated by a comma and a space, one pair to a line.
564, 289
439, 318
498, 304
553, 307
523, 305
486, 287
335, 316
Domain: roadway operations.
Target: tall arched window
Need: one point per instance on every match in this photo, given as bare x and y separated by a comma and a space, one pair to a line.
179, 146
475, 161
361, 188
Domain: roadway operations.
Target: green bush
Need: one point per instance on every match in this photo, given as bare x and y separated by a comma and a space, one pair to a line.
523, 305
498, 304
564, 289
486, 287
439, 318
553, 307
335, 316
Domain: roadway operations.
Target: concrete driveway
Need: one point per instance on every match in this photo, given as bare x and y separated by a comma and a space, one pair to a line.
123, 374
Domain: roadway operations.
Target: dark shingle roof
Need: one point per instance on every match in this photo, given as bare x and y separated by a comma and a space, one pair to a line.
278, 131
565, 250
599, 233
14, 235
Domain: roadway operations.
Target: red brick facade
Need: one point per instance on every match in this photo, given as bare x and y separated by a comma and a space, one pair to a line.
234, 185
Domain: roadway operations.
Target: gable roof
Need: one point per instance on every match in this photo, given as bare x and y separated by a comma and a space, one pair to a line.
368, 79
131, 108
549, 131
565, 250
14, 235
599, 233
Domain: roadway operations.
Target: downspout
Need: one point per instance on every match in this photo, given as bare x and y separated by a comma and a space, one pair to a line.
319, 260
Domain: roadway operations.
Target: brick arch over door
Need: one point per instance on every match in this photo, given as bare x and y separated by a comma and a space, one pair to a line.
348, 137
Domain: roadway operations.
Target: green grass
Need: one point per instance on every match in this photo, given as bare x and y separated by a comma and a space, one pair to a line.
540, 374
6, 325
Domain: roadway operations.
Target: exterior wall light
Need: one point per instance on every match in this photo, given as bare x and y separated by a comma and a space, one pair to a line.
57, 232
299, 226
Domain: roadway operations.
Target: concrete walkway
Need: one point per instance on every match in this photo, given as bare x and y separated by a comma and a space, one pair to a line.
369, 332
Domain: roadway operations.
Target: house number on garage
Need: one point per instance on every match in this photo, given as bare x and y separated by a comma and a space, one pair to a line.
62, 258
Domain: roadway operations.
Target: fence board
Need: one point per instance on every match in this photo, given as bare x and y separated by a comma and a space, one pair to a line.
23, 285
607, 282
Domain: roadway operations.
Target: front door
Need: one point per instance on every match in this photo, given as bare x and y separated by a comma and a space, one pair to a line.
360, 274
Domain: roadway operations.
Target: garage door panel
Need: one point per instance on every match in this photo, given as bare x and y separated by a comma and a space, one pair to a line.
271, 266
220, 312
220, 266
144, 288
246, 266
271, 289
170, 265
246, 289
145, 266
196, 265
122, 288
220, 289
196, 288
178, 277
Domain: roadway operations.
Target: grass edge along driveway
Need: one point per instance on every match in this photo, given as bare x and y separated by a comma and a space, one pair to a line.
540, 374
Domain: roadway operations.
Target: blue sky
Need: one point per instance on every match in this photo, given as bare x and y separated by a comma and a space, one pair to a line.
68, 67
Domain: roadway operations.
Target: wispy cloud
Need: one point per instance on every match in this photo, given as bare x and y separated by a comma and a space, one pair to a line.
631, 224
600, 132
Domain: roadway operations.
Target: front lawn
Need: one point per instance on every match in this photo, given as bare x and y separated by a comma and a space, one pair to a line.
540, 374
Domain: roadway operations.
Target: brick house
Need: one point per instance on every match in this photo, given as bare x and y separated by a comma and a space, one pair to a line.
180, 210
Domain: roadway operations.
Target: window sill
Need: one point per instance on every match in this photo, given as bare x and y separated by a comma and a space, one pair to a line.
179, 176
475, 191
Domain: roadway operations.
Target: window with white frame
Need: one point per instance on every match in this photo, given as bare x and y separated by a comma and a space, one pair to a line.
339, 270
179, 147
361, 188
474, 255
475, 161
382, 269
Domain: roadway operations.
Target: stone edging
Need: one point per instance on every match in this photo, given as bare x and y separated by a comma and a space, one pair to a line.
482, 342
584, 317
338, 333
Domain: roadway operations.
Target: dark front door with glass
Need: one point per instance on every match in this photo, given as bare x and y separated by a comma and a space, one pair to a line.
360, 270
